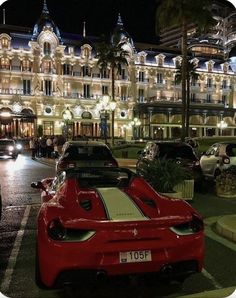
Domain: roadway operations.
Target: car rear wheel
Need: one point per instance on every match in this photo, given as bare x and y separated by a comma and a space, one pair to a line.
38, 279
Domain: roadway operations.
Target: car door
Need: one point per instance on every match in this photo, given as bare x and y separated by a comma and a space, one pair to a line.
210, 161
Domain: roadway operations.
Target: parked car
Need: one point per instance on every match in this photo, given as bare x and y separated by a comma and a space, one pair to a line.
110, 221
180, 152
8, 148
217, 158
85, 154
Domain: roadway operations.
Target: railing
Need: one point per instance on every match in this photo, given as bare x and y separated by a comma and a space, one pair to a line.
14, 91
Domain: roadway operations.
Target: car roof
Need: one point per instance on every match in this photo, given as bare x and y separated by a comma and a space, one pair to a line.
85, 143
7, 140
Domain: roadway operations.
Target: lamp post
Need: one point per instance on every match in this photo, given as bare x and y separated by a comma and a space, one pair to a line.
135, 124
67, 116
106, 106
222, 125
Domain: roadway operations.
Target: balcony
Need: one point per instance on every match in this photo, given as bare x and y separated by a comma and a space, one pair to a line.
11, 91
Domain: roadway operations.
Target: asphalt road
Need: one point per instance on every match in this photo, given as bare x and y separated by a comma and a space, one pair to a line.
17, 245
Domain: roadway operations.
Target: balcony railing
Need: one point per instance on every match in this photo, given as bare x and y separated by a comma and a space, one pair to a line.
14, 91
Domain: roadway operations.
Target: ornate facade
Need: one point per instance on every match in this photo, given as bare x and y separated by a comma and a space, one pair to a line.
46, 74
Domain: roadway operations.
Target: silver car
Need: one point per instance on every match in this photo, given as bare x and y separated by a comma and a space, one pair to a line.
218, 157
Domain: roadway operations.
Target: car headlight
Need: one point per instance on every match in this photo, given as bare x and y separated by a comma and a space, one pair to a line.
18, 146
58, 232
10, 148
187, 228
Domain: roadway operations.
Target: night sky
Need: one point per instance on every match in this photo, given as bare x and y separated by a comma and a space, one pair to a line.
100, 15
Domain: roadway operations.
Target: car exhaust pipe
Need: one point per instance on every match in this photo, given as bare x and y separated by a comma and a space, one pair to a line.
166, 271
101, 275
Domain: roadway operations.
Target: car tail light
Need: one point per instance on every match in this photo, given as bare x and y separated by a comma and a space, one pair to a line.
57, 232
226, 160
187, 228
63, 165
110, 163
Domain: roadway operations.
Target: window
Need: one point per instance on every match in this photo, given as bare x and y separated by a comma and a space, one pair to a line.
26, 87
141, 76
48, 128
47, 48
123, 92
86, 71
224, 84
104, 74
5, 63
5, 42
67, 69
104, 90
141, 95
208, 99
122, 74
48, 87
47, 66
26, 65
209, 83
193, 97
159, 78
86, 91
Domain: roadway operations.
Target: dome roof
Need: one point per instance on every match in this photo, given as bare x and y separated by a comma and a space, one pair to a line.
45, 21
120, 34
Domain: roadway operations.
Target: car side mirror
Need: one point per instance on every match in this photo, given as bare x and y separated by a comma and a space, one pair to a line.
38, 185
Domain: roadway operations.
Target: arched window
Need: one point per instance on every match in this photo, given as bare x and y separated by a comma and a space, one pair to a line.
5, 42
47, 48
5, 63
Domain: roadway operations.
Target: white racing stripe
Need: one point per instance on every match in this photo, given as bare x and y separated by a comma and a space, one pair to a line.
119, 206
15, 251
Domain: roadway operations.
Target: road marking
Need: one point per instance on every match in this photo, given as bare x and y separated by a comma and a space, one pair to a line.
211, 278
15, 251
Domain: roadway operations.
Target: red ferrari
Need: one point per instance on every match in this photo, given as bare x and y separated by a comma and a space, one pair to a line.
110, 221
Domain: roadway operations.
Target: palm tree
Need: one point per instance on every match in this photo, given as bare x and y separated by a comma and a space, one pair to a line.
113, 56
181, 13
191, 76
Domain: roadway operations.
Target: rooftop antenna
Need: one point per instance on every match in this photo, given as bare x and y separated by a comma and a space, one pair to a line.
4, 17
84, 30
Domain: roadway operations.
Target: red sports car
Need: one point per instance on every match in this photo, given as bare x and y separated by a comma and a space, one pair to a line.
111, 221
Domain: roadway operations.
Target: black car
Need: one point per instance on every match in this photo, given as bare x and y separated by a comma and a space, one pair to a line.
77, 154
8, 148
180, 152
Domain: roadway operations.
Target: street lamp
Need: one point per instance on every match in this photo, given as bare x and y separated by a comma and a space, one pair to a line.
67, 116
222, 125
105, 105
135, 124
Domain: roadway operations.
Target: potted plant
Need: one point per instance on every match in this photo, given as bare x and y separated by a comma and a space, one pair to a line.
226, 183
167, 177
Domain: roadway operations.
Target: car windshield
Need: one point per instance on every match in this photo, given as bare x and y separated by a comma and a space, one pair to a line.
6, 143
103, 178
170, 151
87, 152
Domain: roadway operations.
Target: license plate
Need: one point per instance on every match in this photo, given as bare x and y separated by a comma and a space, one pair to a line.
135, 256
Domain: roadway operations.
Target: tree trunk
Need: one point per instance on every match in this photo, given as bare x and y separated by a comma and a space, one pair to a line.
184, 76
113, 99
187, 104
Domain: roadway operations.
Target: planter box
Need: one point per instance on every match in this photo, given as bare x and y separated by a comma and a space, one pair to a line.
187, 189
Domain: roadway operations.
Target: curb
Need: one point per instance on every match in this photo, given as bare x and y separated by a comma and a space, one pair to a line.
226, 227
222, 293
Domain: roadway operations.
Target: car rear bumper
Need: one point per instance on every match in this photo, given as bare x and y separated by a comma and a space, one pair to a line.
181, 257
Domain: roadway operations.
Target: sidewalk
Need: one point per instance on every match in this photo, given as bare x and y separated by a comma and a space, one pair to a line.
225, 227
